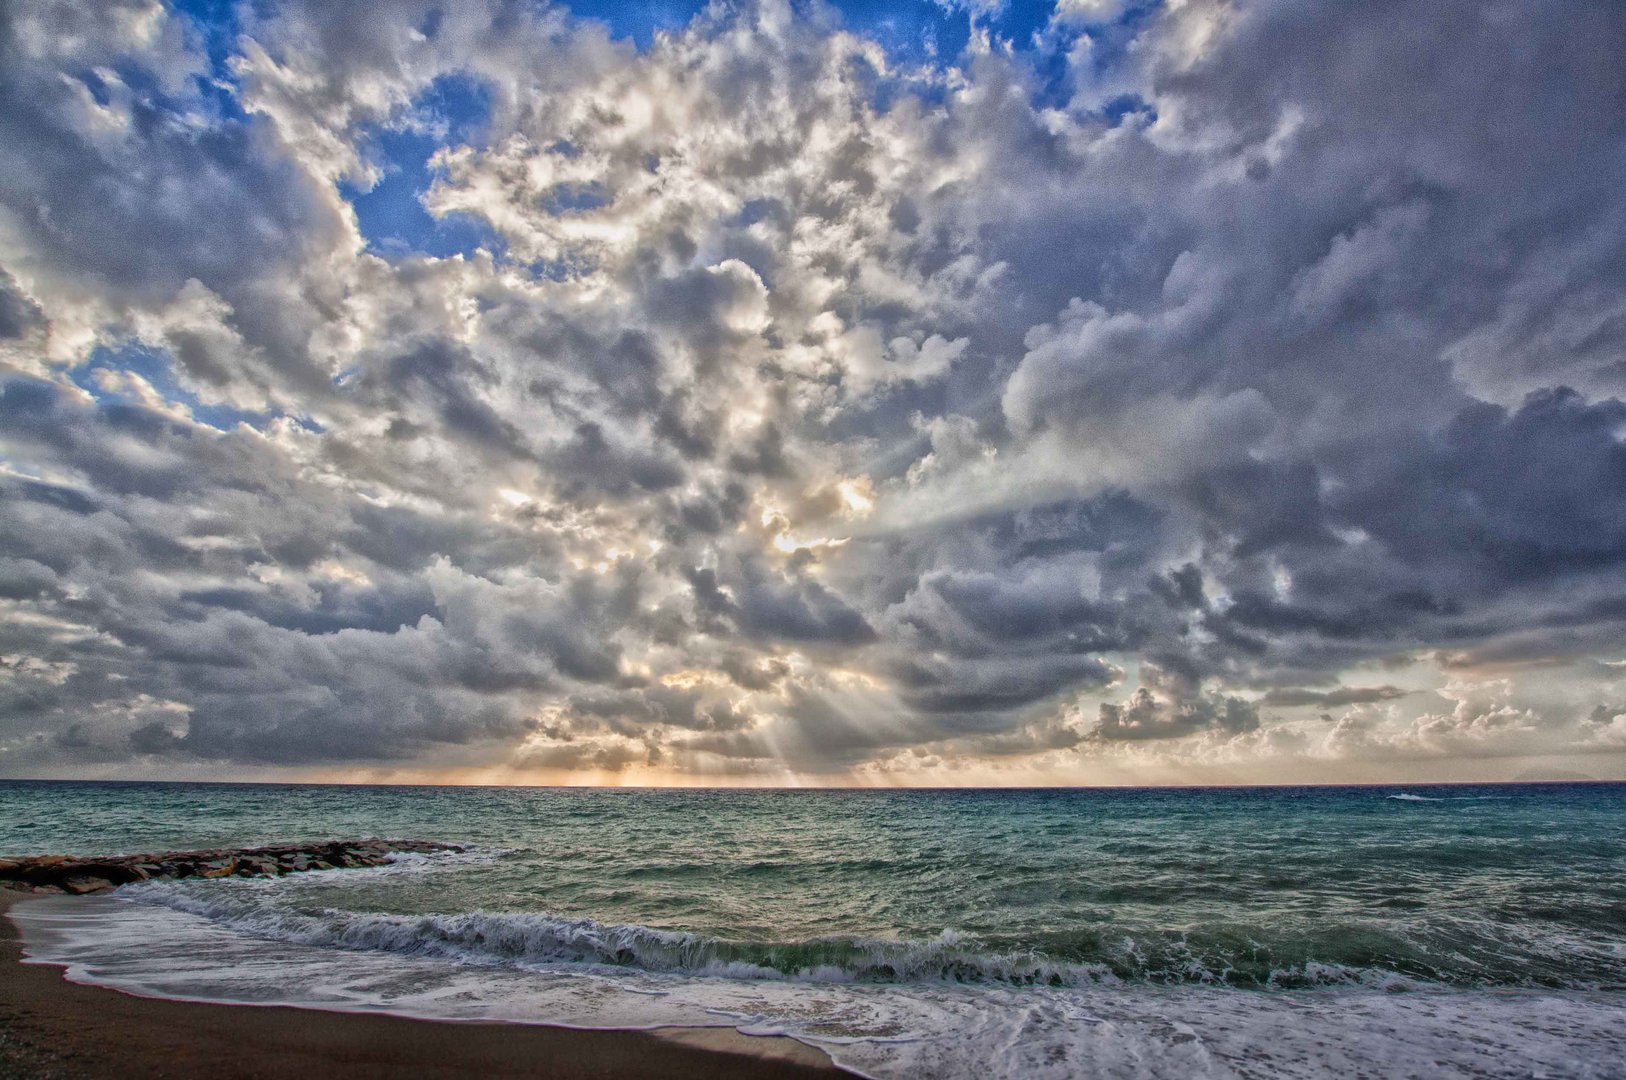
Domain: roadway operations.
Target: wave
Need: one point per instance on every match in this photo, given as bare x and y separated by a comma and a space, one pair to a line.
1413, 798
1389, 953
540, 940
546, 941
414, 862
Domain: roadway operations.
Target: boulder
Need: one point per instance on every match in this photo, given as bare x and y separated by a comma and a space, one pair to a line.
118, 873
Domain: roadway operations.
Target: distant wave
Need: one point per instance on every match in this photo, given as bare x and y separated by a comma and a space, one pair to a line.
1413, 798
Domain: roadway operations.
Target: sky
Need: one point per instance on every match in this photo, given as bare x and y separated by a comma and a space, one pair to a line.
925, 393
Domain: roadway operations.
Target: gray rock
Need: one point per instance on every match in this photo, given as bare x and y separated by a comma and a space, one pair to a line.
54, 873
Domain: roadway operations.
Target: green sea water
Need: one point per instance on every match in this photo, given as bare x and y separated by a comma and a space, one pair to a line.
1251, 889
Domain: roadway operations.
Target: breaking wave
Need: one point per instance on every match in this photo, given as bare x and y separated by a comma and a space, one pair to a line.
549, 942
535, 940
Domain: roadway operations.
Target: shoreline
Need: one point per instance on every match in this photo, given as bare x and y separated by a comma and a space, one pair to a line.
53, 1028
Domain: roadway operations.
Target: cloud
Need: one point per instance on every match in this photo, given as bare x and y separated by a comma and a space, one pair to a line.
1345, 695
1144, 716
802, 407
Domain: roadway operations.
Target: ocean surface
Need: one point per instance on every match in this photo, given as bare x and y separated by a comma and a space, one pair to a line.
1363, 931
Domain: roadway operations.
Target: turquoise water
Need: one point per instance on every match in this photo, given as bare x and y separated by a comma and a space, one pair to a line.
1252, 889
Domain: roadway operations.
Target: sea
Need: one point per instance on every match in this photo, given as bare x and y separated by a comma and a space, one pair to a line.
1419, 931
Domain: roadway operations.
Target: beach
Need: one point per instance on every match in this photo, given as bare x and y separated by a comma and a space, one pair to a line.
52, 1028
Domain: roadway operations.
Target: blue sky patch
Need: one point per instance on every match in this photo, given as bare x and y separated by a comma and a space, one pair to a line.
392, 215
154, 365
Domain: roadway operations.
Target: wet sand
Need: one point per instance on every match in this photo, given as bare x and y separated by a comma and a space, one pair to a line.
51, 1028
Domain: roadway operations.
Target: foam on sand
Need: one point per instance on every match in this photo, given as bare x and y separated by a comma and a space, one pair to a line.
881, 1030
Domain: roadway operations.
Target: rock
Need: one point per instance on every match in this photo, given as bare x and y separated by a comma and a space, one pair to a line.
118, 873
64, 873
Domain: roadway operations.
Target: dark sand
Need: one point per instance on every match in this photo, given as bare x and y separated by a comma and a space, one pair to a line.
51, 1028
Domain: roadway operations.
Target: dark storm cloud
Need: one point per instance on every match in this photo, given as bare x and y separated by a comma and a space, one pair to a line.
993, 684
1327, 699
272, 671
440, 373
766, 604
239, 206
19, 316
1143, 716
804, 410
1505, 496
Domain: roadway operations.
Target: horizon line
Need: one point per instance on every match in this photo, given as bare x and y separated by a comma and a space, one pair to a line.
868, 789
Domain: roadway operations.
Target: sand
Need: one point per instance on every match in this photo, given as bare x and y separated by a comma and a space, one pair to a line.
50, 1027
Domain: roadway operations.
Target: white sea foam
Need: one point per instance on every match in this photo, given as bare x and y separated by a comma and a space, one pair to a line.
413, 862
883, 1031
533, 940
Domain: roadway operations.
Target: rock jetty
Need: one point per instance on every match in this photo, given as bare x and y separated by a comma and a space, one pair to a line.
72, 874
